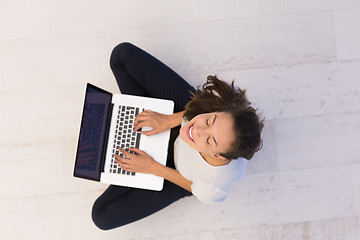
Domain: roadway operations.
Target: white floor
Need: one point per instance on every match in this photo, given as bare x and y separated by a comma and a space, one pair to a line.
298, 59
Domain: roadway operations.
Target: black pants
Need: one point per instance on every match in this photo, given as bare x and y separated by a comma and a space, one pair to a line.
139, 73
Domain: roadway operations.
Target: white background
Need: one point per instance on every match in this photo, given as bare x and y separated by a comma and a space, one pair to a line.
298, 59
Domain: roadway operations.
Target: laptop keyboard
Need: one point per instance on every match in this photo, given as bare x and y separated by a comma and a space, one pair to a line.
125, 137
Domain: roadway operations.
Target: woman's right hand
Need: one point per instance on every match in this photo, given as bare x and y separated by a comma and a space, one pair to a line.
157, 121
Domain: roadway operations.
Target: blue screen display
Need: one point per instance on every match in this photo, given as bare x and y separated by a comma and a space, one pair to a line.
93, 133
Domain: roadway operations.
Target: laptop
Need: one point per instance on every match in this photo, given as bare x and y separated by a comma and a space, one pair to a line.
107, 123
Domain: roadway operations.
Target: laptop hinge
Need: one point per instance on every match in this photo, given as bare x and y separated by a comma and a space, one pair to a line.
108, 122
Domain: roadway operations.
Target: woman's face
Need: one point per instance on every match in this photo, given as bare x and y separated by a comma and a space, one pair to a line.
210, 133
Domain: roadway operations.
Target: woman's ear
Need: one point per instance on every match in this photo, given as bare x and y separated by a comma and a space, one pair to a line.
219, 157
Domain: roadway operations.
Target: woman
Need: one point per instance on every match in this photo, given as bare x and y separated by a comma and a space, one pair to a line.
207, 154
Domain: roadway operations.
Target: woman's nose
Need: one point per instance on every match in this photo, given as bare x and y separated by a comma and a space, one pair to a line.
202, 130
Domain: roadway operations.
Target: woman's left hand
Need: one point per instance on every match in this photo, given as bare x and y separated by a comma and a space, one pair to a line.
157, 121
139, 162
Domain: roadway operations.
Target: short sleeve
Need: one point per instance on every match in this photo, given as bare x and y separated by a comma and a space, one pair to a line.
214, 187
207, 193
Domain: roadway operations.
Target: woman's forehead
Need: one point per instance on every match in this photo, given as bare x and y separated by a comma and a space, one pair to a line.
224, 130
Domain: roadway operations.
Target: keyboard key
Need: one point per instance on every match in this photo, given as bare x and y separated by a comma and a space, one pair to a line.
125, 137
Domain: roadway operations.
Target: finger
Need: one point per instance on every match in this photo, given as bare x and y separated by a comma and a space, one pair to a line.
123, 164
136, 150
119, 158
143, 115
142, 122
125, 153
149, 133
127, 168
147, 111
122, 161
139, 125
146, 126
139, 119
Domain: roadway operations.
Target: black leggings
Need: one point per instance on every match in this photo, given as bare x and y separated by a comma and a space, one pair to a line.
139, 73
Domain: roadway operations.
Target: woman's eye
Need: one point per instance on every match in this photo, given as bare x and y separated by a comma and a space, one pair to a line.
207, 122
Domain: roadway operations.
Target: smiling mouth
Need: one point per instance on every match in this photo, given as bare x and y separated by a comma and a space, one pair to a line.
189, 132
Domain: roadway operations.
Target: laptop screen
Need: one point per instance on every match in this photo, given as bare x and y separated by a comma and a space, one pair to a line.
92, 136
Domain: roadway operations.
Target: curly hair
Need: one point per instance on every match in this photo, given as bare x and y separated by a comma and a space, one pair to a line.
218, 96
